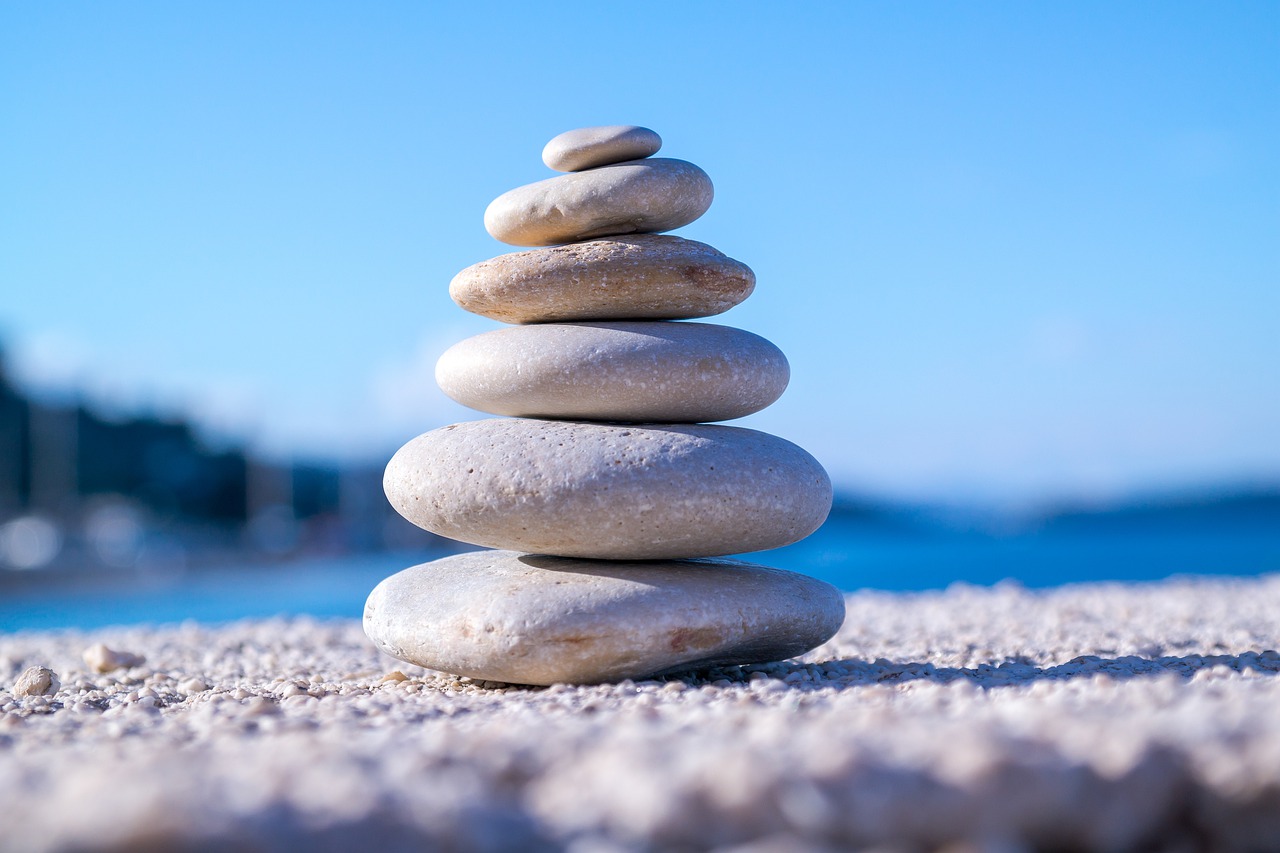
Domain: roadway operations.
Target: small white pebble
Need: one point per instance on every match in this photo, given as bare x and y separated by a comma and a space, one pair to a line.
767, 685
99, 658
192, 686
259, 706
36, 681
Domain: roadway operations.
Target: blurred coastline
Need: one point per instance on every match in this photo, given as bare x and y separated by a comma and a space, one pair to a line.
110, 519
85, 494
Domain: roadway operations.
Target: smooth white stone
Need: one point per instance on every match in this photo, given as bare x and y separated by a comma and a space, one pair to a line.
504, 616
589, 147
609, 491
635, 197
628, 371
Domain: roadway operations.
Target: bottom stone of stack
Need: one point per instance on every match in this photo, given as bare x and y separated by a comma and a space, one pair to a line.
528, 619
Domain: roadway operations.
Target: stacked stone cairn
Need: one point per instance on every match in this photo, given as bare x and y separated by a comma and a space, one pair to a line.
604, 486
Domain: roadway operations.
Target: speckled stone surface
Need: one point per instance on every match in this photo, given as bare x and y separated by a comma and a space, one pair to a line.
620, 371
635, 197
525, 619
609, 491
644, 276
589, 147
1098, 717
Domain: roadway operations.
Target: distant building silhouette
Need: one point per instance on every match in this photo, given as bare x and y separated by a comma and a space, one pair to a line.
15, 478
59, 462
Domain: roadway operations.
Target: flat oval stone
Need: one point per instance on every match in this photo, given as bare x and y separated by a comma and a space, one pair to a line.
588, 147
609, 491
504, 616
645, 276
635, 197
628, 371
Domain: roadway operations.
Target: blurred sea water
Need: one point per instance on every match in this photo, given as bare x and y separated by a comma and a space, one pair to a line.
855, 549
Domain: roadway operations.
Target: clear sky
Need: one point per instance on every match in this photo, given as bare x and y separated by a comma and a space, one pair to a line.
1013, 251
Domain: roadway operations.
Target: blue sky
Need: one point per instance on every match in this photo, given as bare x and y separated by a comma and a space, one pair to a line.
1013, 252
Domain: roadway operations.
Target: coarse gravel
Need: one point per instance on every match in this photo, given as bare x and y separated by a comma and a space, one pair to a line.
1091, 717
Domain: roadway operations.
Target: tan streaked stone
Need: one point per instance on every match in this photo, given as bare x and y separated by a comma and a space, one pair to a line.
643, 276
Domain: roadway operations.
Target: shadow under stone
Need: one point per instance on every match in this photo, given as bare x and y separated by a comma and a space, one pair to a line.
1017, 671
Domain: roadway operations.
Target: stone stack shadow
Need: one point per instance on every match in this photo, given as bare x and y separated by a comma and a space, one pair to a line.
604, 486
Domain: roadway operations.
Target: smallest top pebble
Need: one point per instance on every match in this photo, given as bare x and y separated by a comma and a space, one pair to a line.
589, 147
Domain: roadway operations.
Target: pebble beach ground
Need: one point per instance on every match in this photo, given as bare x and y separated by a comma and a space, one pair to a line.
1094, 717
